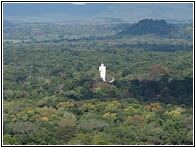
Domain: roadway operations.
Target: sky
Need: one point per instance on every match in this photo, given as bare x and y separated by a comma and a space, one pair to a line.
126, 11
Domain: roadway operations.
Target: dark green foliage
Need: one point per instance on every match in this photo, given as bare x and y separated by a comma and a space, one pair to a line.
65, 133
148, 26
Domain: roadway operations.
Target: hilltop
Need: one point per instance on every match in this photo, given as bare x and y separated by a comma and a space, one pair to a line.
149, 26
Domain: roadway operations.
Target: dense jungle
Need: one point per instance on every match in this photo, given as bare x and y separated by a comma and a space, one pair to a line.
53, 93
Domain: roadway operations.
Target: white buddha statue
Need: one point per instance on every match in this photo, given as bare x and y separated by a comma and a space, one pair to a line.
102, 70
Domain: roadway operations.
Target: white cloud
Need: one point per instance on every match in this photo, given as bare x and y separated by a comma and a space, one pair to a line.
79, 3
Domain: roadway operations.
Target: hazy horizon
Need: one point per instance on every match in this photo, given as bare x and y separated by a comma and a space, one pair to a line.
128, 12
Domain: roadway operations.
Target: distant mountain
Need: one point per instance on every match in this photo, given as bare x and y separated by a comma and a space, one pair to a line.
7, 23
149, 26
128, 12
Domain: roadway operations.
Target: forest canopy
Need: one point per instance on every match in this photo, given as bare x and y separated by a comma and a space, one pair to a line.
53, 94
